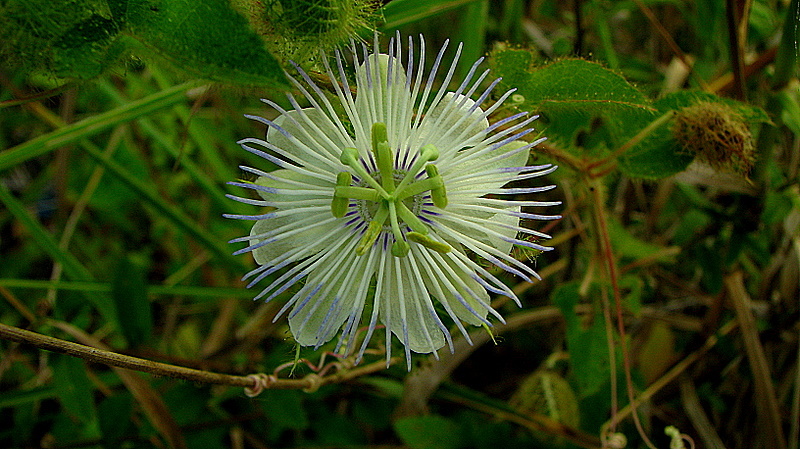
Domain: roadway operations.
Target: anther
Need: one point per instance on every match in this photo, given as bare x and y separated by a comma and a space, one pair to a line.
374, 229
408, 217
400, 247
438, 194
428, 242
383, 155
339, 204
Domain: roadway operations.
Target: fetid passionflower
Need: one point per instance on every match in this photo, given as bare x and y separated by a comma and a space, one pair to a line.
385, 199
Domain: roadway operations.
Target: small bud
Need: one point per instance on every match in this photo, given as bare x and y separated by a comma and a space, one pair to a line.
717, 134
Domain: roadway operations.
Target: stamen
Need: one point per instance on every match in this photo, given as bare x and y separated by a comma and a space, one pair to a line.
389, 195
438, 194
428, 242
420, 186
339, 203
383, 155
357, 193
373, 230
410, 219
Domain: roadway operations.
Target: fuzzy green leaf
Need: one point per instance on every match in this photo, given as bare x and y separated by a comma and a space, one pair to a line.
574, 96
209, 39
71, 39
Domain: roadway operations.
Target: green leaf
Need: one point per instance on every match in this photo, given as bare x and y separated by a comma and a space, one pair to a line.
790, 111
209, 39
75, 39
428, 432
19, 397
284, 409
627, 245
115, 416
574, 96
75, 391
196, 292
788, 58
129, 291
586, 342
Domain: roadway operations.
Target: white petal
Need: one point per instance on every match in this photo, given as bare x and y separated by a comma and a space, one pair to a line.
409, 318
320, 319
301, 216
453, 124
382, 98
286, 179
313, 130
485, 162
504, 224
446, 280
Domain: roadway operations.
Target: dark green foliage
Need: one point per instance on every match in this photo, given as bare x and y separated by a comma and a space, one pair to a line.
129, 290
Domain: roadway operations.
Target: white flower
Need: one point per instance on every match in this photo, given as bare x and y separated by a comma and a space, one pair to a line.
383, 198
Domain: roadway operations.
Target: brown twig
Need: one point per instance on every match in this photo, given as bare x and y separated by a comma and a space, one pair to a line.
254, 383
104, 357
767, 408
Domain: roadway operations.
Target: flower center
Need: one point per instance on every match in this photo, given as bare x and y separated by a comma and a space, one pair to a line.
386, 194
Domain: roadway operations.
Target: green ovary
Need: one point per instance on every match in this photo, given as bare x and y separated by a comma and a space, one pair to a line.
390, 195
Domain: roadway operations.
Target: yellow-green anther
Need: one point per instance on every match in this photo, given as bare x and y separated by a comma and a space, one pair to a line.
385, 161
383, 155
379, 134
350, 157
410, 219
356, 193
374, 229
428, 242
429, 153
339, 204
369, 237
438, 194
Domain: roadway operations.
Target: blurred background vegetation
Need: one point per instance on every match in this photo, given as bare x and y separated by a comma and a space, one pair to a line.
675, 278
